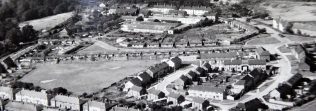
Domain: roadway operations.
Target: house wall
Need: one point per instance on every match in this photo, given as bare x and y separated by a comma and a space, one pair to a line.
33, 100
209, 95
5, 95
65, 105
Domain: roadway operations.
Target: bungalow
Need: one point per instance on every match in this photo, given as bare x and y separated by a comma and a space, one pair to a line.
175, 98
282, 92
252, 105
38, 98
207, 92
175, 62
199, 103
136, 91
7, 93
97, 106
293, 80
144, 77
158, 70
67, 102
131, 83
154, 94
182, 82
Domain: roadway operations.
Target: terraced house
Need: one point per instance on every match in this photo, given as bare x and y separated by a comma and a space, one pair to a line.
34, 97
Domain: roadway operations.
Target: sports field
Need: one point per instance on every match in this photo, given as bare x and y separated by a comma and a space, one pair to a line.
84, 77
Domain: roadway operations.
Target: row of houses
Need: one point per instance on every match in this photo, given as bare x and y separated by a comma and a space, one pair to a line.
136, 86
62, 102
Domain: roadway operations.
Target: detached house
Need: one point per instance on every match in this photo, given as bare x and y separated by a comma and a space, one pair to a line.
7, 93
67, 102
136, 91
38, 98
182, 82
175, 98
131, 83
154, 94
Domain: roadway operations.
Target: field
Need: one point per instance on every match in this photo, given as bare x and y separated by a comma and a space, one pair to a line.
84, 77
292, 11
299, 38
47, 22
264, 40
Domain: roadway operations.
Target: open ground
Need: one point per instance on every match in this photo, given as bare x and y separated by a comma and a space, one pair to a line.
84, 77
47, 22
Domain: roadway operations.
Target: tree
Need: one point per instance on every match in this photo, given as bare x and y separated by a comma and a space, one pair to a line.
14, 36
29, 33
60, 90
139, 18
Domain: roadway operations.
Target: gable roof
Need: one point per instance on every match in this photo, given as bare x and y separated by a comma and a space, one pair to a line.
33, 94
157, 67
136, 88
136, 81
199, 70
174, 95
144, 76
293, 80
299, 49
261, 51
67, 99
154, 91
98, 104
232, 62
219, 55
207, 88
257, 62
253, 105
206, 66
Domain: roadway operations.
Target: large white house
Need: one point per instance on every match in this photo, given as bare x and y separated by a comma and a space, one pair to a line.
28, 96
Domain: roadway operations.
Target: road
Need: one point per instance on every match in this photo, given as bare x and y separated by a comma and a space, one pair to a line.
162, 86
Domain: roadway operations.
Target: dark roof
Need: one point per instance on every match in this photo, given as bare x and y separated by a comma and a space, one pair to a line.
206, 66
136, 82
285, 90
158, 67
145, 76
232, 62
207, 88
192, 74
257, 62
199, 100
261, 51
219, 55
256, 73
253, 105
293, 80
199, 70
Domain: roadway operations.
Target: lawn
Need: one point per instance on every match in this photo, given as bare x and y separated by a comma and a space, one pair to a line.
262, 41
47, 22
300, 38
84, 77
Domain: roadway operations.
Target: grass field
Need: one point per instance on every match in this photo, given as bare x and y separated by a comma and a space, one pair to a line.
47, 22
265, 40
85, 77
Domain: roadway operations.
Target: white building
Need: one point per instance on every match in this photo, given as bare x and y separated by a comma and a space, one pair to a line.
207, 92
39, 98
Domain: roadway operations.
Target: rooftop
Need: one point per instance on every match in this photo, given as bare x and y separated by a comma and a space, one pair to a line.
207, 88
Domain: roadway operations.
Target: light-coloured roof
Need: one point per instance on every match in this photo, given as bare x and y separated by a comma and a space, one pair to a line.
67, 99
33, 94
207, 88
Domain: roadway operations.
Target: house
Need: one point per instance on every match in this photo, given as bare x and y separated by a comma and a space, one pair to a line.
144, 77
282, 92
149, 27
218, 58
97, 106
154, 94
263, 54
67, 102
158, 70
196, 11
293, 80
136, 91
252, 105
175, 62
192, 75
131, 83
182, 82
199, 71
258, 75
175, 98
34, 97
281, 25
298, 52
207, 92
207, 67
7, 93
199, 103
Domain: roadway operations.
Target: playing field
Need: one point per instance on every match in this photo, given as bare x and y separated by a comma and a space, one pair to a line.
84, 77
47, 22
263, 41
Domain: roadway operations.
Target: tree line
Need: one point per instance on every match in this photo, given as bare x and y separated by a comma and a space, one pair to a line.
13, 12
